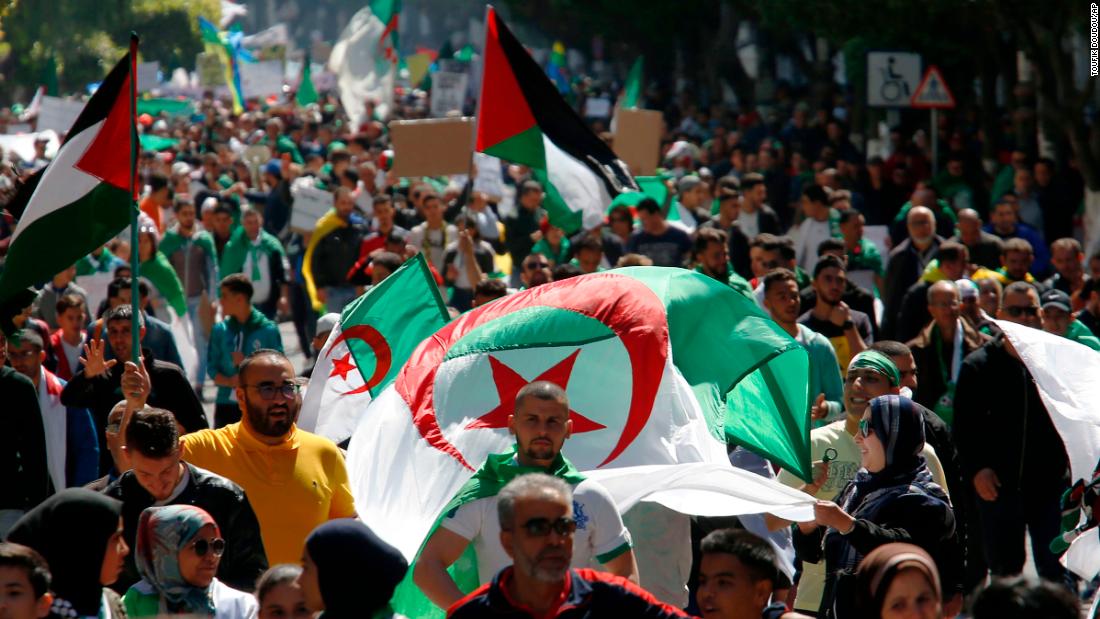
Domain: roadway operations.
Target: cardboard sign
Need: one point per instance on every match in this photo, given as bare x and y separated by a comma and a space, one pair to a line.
490, 178
58, 114
638, 139
261, 79
432, 147
310, 204
210, 69
147, 76
448, 92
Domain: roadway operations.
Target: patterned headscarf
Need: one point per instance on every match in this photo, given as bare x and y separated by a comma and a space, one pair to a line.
162, 533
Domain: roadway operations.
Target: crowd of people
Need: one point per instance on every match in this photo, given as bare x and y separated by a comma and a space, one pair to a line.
129, 493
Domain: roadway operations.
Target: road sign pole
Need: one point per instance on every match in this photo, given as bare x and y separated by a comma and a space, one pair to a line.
935, 142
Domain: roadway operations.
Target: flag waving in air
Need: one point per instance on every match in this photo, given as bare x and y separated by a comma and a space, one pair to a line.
662, 366
365, 60
376, 334
82, 198
524, 119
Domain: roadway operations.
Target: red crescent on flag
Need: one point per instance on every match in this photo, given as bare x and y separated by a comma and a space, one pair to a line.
626, 305
383, 357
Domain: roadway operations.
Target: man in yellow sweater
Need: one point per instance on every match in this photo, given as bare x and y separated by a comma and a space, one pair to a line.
295, 480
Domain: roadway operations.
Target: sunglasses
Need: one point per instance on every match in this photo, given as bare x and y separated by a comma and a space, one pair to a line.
267, 392
1020, 310
865, 427
216, 546
541, 527
533, 266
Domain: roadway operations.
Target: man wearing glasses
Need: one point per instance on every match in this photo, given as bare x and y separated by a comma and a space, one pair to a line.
1008, 447
594, 534
158, 476
295, 480
538, 528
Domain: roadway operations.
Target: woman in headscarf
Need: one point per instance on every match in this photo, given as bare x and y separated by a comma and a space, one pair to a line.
178, 551
891, 499
79, 533
898, 580
349, 572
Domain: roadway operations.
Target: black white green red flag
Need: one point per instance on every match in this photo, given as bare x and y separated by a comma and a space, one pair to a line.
523, 118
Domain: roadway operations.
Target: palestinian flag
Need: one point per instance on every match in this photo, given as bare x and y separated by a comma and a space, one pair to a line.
662, 366
82, 199
376, 334
523, 118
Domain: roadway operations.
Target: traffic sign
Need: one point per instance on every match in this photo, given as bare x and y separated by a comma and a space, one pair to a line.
892, 77
933, 92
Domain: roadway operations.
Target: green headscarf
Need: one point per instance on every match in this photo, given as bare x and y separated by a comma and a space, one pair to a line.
877, 362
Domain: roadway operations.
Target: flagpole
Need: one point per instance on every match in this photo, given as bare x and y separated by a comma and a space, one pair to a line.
135, 259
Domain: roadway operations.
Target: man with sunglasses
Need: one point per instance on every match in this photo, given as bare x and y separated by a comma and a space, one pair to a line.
538, 526
541, 425
535, 271
159, 476
1008, 447
295, 480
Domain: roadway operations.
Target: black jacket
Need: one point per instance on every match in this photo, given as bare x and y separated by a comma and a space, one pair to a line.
903, 269
244, 559
336, 254
171, 391
857, 298
22, 444
1000, 422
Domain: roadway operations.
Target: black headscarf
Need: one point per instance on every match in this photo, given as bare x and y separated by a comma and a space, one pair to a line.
899, 425
71, 530
357, 571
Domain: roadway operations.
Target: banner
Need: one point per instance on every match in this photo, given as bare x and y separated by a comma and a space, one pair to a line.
261, 79
448, 92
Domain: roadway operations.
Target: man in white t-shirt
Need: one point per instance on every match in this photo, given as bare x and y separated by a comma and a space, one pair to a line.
540, 424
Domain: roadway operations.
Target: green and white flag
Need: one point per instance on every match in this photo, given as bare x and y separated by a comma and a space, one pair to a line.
364, 60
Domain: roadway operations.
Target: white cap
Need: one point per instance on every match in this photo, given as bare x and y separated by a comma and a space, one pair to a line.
327, 322
181, 168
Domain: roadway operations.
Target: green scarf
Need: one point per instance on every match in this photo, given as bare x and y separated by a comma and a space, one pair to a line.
160, 273
173, 241
240, 247
489, 480
877, 362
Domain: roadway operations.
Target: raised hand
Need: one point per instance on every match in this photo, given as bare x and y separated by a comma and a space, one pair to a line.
94, 365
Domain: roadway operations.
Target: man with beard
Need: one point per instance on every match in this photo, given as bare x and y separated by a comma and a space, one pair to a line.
539, 525
540, 424
295, 480
848, 330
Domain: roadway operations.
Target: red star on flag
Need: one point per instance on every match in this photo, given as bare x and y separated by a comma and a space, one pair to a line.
508, 383
342, 366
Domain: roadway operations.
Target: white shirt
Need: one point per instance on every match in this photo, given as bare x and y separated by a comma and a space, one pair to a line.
55, 418
749, 222
228, 602
600, 529
810, 235
72, 354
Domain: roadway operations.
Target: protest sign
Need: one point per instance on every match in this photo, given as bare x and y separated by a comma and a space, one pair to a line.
432, 147
448, 92
638, 139
58, 114
490, 178
261, 79
310, 203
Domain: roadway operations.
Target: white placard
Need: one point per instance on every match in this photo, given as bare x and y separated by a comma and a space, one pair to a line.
489, 179
22, 144
448, 92
892, 78
147, 76
58, 114
261, 79
599, 107
310, 204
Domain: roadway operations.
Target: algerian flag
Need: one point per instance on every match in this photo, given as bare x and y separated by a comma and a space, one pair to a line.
307, 93
522, 118
364, 59
376, 334
662, 366
1065, 374
82, 199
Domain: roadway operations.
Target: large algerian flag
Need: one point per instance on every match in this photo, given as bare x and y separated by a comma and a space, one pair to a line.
364, 59
662, 366
522, 118
376, 334
1065, 374
82, 199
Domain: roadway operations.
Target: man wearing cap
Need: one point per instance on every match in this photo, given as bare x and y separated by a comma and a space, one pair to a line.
834, 449
1058, 318
1009, 449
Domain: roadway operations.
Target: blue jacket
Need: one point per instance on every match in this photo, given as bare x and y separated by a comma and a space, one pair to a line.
229, 336
1040, 266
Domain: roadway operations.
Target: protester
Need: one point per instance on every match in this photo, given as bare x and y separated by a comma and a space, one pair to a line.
159, 477
665, 244
45, 305
863, 258
278, 594
434, 235
79, 534
258, 255
1058, 318
898, 580
537, 525
755, 215
466, 262
1090, 312
541, 425
179, 548
1020, 598
848, 330
710, 254
521, 228
293, 479
950, 264
1005, 224
120, 462
25, 580
348, 571
168, 295
984, 248
66, 343
23, 459
737, 578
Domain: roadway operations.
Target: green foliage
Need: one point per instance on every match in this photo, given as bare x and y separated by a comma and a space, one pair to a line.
85, 38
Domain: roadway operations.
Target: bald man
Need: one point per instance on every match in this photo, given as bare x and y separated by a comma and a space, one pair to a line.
985, 248
907, 263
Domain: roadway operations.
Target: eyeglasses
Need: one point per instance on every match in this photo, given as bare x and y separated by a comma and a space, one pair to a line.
216, 546
1019, 310
541, 527
267, 392
865, 427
